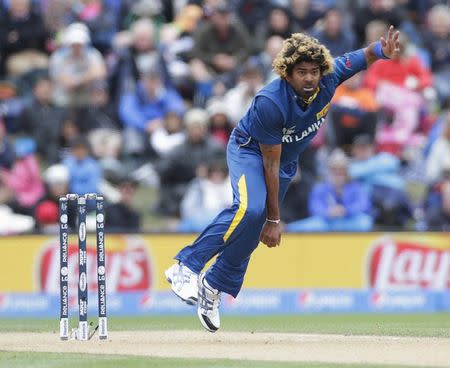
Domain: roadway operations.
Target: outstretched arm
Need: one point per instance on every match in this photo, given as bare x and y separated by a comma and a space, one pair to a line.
349, 64
386, 48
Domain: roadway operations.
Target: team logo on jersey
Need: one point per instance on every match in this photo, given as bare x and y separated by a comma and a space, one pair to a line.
287, 133
323, 112
289, 136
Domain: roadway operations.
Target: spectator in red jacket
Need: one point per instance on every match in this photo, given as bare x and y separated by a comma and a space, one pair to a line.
407, 71
409, 81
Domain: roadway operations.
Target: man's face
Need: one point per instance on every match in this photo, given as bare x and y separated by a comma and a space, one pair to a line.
338, 175
300, 7
43, 90
143, 39
305, 78
173, 123
77, 49
279, 20
363, 151
273, 46
196, 132
333, 23
221, 21
58, 189
20, 8
152, 84
80, 152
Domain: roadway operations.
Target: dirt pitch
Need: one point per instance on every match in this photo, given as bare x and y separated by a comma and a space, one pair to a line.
423, 351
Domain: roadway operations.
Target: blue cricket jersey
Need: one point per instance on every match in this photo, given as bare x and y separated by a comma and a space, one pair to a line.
275, 116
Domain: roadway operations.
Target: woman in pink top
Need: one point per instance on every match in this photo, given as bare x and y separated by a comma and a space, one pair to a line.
24, 178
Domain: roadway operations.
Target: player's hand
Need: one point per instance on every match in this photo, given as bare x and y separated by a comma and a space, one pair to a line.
391, 45
270, 234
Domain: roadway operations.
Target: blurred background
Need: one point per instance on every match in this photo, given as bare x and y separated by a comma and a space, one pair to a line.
136, 100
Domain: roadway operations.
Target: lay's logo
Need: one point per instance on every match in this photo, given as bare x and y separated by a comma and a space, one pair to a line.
402, 265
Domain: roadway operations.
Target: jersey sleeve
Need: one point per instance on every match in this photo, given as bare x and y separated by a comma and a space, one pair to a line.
349, 64
267, 121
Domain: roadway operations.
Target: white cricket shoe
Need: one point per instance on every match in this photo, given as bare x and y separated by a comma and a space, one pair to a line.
184, 282
208, 305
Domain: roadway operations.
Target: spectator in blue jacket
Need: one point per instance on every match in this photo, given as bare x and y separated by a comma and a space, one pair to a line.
85, 172
143, 111
338, 204
372, 168
380, 173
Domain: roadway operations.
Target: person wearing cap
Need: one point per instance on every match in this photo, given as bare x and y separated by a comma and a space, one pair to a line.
337, 205
262, 157
101, 19
74, 67
220, 125
56, 179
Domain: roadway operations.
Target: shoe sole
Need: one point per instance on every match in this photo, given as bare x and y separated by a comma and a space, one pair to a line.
205, 323
189, 301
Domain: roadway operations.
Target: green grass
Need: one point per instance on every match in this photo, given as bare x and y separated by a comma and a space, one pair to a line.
382, 324
51, 360
364, 324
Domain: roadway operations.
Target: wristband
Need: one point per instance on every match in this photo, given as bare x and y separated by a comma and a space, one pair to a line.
273, 221
378, 51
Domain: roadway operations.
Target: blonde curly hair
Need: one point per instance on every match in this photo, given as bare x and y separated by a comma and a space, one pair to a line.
298, 48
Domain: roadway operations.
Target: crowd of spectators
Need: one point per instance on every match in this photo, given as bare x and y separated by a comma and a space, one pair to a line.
120, 97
